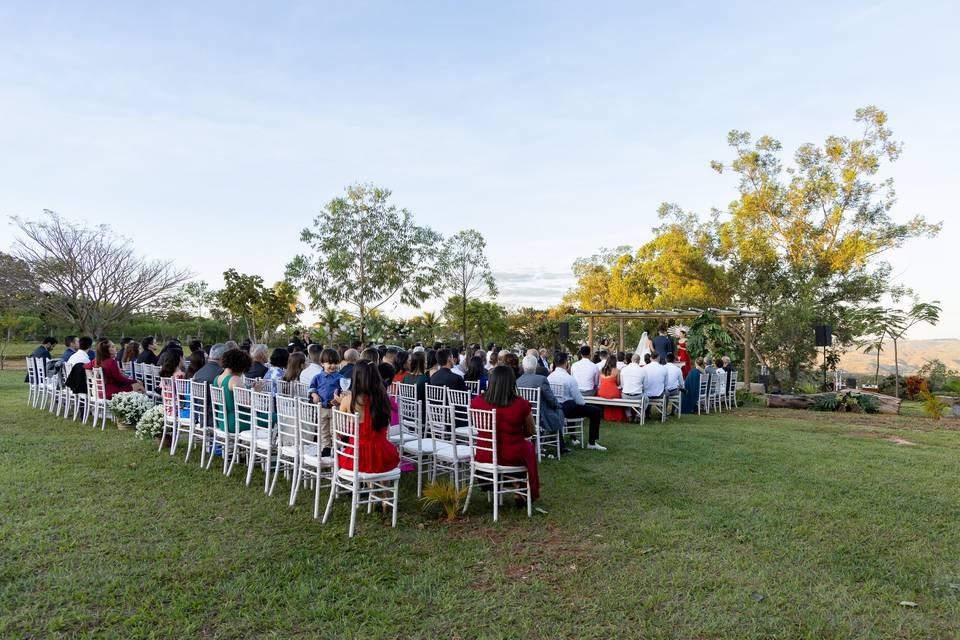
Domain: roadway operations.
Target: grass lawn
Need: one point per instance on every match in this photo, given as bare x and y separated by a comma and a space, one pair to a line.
757, 524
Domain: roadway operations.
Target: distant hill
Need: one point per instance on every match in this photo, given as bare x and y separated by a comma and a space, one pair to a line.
911, 354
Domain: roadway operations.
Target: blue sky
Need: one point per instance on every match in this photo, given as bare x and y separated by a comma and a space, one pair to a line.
553, 128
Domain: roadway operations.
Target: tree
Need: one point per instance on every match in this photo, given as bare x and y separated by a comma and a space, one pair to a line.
465, 272
277, 305
937, 373
427, 325
92, 277
239, 297
332, 320
486, 320
897, 322
194, 299
364, 252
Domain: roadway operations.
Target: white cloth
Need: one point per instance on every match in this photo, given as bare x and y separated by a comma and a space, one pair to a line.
570, 388
674, 376
80, 357
643, 347
631, 379
312, 369
621, 364
654, 379
586, 373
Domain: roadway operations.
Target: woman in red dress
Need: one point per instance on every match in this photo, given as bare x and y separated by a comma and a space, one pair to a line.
368, 397
610, 388
682, 356
113, 379
514, 426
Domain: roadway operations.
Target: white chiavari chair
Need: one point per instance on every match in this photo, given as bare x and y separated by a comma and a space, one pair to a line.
416, 449
703, 394
184, 425
100, 411
310, 465
731, 397
448, 455
242, 423
223, 431
436, 394
287, 428
261, 437
473, 386
542, 438
34, 389
364, 488
171, 413
503, 479
573, 427
199, 427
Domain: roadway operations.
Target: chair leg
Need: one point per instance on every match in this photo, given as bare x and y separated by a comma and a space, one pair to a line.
354, 500
267, 470
529, 499
273, 484
333, 491
466, 503
396, 500
316, 496
496, 498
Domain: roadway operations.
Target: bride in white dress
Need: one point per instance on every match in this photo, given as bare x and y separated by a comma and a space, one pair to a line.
644, 347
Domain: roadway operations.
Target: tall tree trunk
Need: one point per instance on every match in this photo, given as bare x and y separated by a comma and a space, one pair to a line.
463, 336
363, 317
896, 368
877, 373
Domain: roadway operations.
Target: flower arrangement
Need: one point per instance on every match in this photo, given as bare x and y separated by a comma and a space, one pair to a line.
151, 423
129, 406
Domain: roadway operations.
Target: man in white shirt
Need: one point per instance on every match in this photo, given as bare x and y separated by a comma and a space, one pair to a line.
631, 378
586, 373
313, 364
674, 385
80, 357
621, 360
457, 364
573, 405
654, 379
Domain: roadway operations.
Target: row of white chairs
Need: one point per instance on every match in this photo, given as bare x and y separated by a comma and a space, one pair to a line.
48, 390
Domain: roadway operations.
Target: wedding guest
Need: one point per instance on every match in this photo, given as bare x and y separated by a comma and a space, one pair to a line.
674, 382
631, 379
654, 379
131, 352
350, 357
43, 351
113, 379
296, 364
445, 377
212, 367
235, 363
313, 366
586, 373
325, 391
476, 372
259, 355
551, 413
691, 399
70, 347
171, 364
403, 369
574, 406
80, 356
368, 397
147, 354
196, 361
610, 388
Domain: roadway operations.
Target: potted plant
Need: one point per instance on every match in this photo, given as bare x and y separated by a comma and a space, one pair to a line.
128, 407
151, 423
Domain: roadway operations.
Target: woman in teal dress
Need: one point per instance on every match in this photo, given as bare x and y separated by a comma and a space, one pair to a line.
691, 388
235, 363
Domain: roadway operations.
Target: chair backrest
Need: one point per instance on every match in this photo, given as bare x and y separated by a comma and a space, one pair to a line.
32, 371
242, 408
483, 434
168, 396
287, 421
460, 401
99, 388
436, 394
732, 384
262, 406
720, 381
283, 388
440, 422
151, 378
183, 388
127, 368
198, 402
308, 420
559, 390
346, 438
473, 386
704, 385
532, 396
40, 368
392, 389
91, 386
406, 390
137, 370
410, 416
300, 389
219, 405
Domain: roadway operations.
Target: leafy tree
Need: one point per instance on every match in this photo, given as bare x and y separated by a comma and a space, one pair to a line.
364, 252
278, 305
426, 326
486, 321
333, 321
465, 272
896, 322
92, 277
936, 373
240, 296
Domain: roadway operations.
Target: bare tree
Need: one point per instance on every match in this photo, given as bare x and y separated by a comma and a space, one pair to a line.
92, 275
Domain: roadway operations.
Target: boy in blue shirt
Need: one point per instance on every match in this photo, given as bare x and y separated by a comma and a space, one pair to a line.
323, 388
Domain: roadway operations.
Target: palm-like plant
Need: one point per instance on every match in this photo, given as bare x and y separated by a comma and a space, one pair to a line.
430, 324
332, 319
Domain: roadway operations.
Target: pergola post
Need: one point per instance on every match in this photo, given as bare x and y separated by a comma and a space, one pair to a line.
620, 344
747, 345
590, 334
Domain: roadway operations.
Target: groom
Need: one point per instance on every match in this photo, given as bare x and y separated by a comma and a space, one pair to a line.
663, 344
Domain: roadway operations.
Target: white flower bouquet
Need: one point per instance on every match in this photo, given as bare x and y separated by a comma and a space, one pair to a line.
151, 423
129, 406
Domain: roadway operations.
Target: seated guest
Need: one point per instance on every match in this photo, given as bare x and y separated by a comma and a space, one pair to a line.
296, 365
80, 356
621, 360
196, 361
402, 369
514, 425
445, 377
313, 366
432, 365
586, 373
259, 355
350, 357
551, 413
390, 356
195, 345
492, 359
417, 374
631, 379
131, 352
147, 354
674, 373
230, 344
728, 368
574, 406
43, 351
235, 363
325, 391
122, 349
476, 373
246, 344
542, 369
457, 365
70, 347
691, 398
511, 360
113, 379
171, 364
654, 379
368, 397
212, 367
371, 354
610, 388
544, 362
278, 364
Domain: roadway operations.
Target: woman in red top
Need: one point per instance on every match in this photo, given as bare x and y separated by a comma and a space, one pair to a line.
368, 397
682, 356
113, 379
610, 388
514, 426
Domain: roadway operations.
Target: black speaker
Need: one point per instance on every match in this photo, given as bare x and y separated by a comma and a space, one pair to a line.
564, 331
824, 334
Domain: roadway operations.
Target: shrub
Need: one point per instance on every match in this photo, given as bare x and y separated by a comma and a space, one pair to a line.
888, 385
151, 423
129, 406
869, 403
826, 402
932, 405
746, 398
916, 386
444, 494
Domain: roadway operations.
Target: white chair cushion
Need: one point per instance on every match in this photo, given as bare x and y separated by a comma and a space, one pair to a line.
348, 474
446, 451
489, 466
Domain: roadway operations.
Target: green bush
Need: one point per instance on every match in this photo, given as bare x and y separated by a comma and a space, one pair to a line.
826, 402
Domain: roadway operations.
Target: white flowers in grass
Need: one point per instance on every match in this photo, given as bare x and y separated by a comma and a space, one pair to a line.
151, 423
129, 406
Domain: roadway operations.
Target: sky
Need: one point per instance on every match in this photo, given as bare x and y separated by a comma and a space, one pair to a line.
211, 135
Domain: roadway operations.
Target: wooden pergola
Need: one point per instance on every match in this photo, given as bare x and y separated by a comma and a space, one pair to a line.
747, 315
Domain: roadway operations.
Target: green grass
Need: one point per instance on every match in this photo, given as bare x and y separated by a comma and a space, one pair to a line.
758, 524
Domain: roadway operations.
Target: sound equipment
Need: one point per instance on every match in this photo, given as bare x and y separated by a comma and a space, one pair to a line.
852, 383
564, 331
824, 334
